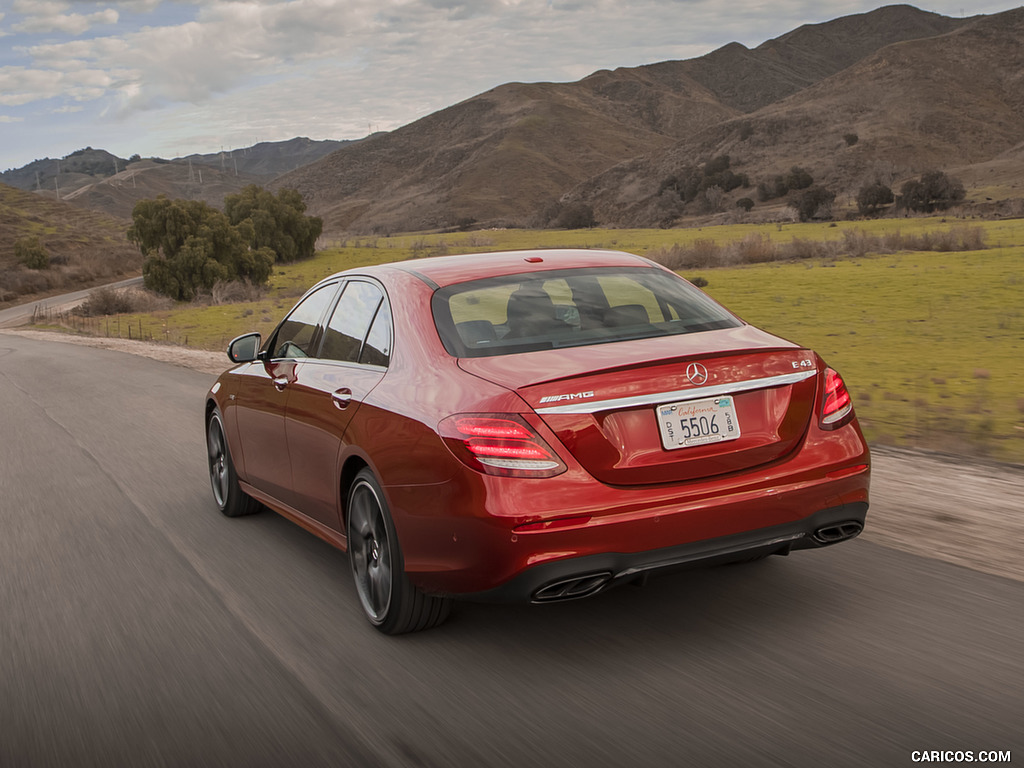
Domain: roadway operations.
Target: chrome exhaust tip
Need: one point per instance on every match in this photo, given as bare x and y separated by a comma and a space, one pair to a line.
833, 534
572, 588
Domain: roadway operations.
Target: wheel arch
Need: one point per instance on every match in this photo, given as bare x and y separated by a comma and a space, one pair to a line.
352, 466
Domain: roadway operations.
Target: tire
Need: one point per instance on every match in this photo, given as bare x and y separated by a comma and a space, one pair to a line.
231, 500
389, 600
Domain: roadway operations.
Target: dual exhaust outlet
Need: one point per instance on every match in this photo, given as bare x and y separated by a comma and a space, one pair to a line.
588, 584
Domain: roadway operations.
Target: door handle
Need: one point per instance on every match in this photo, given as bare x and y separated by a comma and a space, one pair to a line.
281, 382
341, 398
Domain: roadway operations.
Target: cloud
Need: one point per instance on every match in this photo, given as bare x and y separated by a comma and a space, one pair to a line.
200, 73
19, 86
41, 17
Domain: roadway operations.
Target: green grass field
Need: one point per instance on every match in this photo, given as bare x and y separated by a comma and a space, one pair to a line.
931, 344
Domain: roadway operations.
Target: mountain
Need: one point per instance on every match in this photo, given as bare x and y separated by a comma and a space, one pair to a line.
145, 179
269, 158
496, 155
503, 155
950, 101
94, 178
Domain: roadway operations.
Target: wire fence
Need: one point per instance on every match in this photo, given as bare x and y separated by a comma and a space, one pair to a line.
110, 326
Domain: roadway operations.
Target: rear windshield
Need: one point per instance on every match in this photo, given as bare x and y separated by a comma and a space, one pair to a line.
570, 308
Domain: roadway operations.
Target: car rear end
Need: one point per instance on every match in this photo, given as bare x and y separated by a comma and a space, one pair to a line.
655, 430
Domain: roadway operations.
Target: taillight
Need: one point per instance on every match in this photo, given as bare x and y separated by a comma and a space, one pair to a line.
837, 408
500, 444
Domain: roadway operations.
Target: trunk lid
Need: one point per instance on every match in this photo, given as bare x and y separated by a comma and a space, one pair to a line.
742, 398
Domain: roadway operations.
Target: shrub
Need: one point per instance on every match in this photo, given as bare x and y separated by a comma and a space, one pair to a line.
235, 292
873, 197
576, 216
111, 301
850, 139
934, 190
31, 252
753, 249
810, 201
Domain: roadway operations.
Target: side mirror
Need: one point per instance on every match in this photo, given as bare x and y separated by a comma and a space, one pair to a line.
244, 349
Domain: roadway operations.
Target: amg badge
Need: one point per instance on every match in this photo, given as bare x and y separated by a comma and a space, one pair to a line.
573, 396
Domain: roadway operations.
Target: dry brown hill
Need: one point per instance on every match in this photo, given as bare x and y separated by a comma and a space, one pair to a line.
85, 247
96, 179
147, 179
499, 157
948, 102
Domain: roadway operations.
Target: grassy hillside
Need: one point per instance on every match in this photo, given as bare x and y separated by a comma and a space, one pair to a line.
931, 343
85, 247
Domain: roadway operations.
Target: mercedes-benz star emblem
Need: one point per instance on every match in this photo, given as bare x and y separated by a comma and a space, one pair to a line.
696, 373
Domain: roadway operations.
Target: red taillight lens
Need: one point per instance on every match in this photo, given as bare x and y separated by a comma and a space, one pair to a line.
500, 444
837, 408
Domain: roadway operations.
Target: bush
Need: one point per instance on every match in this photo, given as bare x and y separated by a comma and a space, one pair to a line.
810, 201
933, 191
780, 186
31, 252
798, 178
576, 216
110, 301
873, 197
850, 139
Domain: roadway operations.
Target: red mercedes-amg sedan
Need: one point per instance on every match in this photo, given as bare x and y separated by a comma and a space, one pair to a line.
536, 426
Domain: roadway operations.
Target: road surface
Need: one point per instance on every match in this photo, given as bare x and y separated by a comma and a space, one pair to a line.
22, 314
142, 628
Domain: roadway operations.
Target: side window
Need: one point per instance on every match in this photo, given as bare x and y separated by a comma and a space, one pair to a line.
377, 349
295, 336
347, 328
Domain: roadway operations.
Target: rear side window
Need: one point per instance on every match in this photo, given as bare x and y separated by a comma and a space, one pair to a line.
569, 308
352, 319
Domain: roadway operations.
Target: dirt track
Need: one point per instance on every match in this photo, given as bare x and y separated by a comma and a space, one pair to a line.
952, 508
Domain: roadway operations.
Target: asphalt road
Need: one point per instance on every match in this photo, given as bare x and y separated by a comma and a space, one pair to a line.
22, 314
139, 627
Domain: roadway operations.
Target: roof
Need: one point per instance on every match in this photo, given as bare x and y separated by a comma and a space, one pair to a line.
447, 270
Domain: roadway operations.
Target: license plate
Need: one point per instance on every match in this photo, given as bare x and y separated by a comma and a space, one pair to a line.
698, 422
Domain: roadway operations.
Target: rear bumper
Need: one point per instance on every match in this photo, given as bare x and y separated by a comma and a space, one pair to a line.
579, 577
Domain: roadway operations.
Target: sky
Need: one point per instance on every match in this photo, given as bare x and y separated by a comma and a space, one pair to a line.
168, 78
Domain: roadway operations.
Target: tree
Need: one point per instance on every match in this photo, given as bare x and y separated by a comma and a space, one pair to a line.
31, 252
190, 246
576, 216
934, 190
274, 222
810, 201
745, 203
873, 197
798, 178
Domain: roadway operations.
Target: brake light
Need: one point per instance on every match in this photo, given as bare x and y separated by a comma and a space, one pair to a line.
837, 408
499, 444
